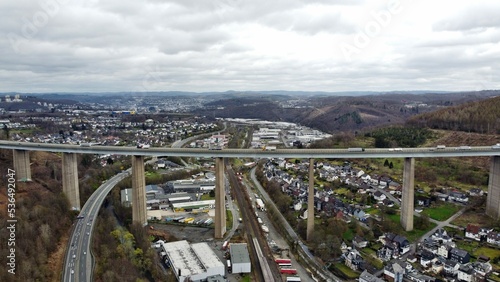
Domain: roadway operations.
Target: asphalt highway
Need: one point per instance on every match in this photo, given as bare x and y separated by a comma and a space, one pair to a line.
79, 262
348, 153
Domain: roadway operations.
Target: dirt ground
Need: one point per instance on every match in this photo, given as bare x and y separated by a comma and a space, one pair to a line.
190, 233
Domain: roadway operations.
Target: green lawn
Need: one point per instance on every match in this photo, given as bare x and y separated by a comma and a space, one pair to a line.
206, 196
411, 235
348, 235
442, 211
415, 234
341, 191
229, 219
468, 246
346, 270
372, 211
486, 251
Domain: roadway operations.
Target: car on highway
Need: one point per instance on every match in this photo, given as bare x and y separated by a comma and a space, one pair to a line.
496, 146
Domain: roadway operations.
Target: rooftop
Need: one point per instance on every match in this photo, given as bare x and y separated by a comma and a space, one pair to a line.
183, 258
239, 253
208, 258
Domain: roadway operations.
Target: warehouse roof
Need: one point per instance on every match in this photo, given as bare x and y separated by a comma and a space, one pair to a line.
239, 253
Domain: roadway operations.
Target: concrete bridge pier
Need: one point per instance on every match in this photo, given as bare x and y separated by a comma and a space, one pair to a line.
310, 202
407, 204
138, 191
70, 180
22, 165
493, 201
220, 199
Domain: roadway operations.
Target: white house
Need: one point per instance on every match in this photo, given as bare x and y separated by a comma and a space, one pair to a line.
465, 273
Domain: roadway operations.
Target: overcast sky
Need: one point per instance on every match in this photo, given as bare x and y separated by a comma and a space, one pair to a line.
218, 45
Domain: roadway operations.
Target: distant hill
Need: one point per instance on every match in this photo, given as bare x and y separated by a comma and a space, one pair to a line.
330, 112
478, 116
337, 113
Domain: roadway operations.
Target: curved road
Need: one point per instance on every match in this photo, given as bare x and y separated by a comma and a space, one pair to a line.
78, 263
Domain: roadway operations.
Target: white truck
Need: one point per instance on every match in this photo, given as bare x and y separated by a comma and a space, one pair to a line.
260, 204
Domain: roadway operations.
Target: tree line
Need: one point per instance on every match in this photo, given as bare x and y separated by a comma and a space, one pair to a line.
480, 117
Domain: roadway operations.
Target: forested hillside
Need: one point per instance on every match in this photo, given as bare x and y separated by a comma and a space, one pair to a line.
43, 220
334, 114
481, 117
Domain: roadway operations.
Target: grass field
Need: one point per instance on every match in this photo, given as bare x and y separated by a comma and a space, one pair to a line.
468, 246
476, 249
489, 252
229, 219
478, 218
348, 235
411, 235
441, 211
206, 196
346, 270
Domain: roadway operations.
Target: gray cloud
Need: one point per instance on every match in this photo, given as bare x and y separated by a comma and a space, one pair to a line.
473, 18
246, 45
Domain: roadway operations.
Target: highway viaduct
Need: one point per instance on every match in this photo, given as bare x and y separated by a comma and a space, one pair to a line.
70, 175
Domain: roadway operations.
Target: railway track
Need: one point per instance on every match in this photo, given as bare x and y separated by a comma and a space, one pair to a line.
261, 255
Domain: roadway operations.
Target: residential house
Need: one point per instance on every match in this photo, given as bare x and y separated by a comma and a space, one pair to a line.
437, 267
343, 247
353, 260
441, 196
387, 252
483, 233
451, 267
357, 172
481, 270
444, 250
393, 185
458, 197
379, 196
423, 201
427, 258
388, 203
417, 277
359, 214
402, 244
465, 273
395, 271
411, 258
441, 236
368, 277
459, 255
359, 242
366, 178
472, 232
493, 238
476, 192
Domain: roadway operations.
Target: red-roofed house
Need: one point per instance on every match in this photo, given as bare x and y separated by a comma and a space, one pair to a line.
472, 232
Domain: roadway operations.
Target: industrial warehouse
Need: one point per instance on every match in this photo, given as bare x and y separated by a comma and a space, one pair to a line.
196, 261
240, 258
